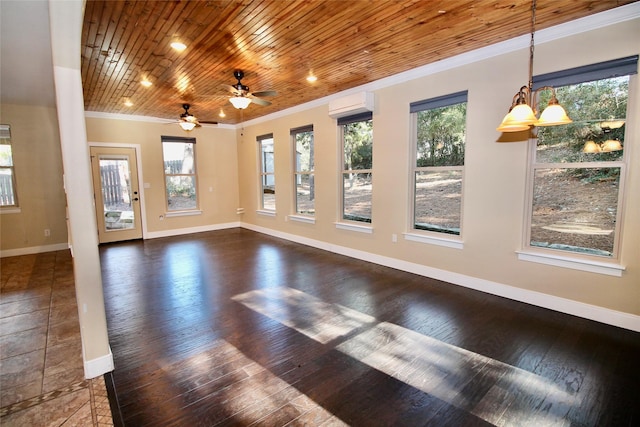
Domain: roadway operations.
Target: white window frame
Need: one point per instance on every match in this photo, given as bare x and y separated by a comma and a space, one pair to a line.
298, 173
440, 238
564, 258
180, 212
264, 175
5, 138
344, 223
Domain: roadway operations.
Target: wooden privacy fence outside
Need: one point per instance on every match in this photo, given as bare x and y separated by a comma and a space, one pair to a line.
112, 185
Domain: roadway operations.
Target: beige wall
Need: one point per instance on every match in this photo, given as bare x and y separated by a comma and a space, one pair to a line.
216, 165
38, 168
495, 175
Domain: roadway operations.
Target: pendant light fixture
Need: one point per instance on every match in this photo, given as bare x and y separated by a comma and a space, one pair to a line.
521, 114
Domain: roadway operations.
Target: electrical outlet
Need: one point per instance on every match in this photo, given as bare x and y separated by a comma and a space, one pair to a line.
47, 232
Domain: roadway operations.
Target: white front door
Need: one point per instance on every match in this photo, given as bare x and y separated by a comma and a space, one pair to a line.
116, 193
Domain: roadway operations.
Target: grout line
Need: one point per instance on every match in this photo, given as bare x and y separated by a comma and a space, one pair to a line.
46, 340
37, 400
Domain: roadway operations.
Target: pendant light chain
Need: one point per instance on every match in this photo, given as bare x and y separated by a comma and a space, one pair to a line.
523, 115
531, 48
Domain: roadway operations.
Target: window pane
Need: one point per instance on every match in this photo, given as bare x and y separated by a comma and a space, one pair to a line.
441, 136
598, 110
305, 194
575, 209
358, 145
7, 178
266, 148
7, 196
269, 196
267, 176
304, 152
6, 158
178, 158
438, 201
357, 197
181, 193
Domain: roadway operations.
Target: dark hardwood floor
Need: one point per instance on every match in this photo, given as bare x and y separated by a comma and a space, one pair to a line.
238, 328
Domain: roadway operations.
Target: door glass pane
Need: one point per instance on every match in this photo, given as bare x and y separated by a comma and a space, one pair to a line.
116, 194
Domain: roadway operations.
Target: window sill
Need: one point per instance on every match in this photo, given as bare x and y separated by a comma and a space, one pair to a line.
609, 269
302, 218
10, 210
264, 212
354, 227
432, 240
183, 213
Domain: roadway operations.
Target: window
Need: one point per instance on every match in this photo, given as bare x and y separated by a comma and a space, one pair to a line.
180, 173
303, 177
357, 161
576, 182
267, 173
8, 195
438, 162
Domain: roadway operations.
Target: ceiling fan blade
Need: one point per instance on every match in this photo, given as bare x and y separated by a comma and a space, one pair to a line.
231, 89
259, 101
265, 93
206, 122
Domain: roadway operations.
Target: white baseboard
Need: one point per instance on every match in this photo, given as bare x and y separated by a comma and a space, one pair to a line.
563, 305
190, 230
95, 367
33, 250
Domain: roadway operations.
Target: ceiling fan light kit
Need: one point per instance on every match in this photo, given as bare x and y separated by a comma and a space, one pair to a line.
187, 126
188, 121
242, 97
522, 113
240, 102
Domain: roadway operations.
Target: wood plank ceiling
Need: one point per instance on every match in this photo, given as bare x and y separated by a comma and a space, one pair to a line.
278, 43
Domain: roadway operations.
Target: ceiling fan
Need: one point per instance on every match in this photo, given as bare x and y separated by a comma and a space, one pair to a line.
188, 121
242, 97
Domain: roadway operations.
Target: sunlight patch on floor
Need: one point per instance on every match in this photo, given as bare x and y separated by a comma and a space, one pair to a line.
257, 396
432, 366
305, 313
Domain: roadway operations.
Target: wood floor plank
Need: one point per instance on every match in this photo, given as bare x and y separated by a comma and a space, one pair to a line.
233, 327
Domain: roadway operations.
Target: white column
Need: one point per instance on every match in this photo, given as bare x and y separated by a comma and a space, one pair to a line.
66, 18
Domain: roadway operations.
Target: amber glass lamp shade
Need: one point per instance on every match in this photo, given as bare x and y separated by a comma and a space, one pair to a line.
553, 115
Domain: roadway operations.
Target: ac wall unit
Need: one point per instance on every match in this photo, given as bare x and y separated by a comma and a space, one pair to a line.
352, 104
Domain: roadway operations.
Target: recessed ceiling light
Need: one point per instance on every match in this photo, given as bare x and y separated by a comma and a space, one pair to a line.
179, 46
128, 103
146, 83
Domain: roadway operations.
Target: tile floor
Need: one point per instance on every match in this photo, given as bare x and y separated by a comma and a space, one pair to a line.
41, 370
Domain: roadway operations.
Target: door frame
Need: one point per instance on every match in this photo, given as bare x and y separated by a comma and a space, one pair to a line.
137, 149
